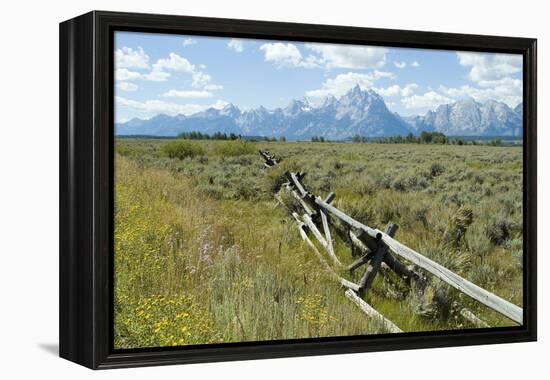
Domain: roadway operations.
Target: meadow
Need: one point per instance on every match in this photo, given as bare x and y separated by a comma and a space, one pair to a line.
203, 253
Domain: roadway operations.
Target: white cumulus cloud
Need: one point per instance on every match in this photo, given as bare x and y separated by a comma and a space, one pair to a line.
153, 76
327, 56
161, 70
426, 101
349, 56
127, 86
204, 81
506, 90
127, 57
486, 67
187, 94
491, 76
342, 83
156, 76
286, 55
149, 108
400, 65
174, 62
396, 90
189, 42
125, 75
236, 45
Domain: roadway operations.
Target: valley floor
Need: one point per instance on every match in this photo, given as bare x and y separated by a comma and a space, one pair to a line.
203, 255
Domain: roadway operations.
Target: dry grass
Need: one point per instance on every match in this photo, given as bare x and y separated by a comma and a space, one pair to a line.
202, 255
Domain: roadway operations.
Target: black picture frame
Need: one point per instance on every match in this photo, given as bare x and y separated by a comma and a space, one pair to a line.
86, 188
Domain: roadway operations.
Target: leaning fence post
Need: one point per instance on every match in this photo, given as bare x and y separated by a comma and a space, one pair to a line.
376, 261
372, 269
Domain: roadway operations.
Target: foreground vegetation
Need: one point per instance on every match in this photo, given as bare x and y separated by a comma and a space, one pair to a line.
202, 255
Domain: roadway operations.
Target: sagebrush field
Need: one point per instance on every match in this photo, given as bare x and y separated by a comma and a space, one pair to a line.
203, 253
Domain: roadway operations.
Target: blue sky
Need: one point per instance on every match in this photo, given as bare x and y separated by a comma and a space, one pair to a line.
175, 74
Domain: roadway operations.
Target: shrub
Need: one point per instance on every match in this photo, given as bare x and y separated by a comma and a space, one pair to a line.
477, 241
516, 247
384, 181
409, 183
245, 190
437, 169
182, 149
338, 165
358, 209
434, 302
123, 150
274, 176
363, 185
388, 208
458, 225
498, 230
235, 148
421, 214
483, 275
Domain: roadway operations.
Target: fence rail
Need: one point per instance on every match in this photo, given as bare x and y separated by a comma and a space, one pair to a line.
379, 249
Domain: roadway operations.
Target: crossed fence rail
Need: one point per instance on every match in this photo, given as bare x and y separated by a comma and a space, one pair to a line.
378, 248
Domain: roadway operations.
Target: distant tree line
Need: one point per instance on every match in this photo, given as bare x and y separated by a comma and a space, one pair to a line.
426, 138
195, 135
265, 138
318, 139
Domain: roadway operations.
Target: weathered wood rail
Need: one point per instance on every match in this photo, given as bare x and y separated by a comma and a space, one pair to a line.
379, 249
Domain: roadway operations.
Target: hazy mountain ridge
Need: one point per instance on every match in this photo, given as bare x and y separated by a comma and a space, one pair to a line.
470, 118
358, 112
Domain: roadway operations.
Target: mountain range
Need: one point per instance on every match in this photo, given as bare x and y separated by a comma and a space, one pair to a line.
358, 112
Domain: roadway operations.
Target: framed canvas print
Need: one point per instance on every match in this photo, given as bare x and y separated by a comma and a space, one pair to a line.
237, 189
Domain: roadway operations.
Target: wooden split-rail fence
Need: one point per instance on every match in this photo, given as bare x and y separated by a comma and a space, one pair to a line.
378, 249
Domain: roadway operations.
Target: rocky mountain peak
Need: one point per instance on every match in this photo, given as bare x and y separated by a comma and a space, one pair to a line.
357, 112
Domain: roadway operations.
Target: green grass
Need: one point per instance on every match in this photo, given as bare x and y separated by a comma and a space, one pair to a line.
234, 148
182, 149
203, 255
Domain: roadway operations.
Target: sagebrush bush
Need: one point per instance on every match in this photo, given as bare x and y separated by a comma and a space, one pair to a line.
384, 181
235, 148
437, 169
484, 275
358, 209
477, 241
363, 186
182, 149
458, 225
420, 214
388, 208
338, 165
498, 229
516, 246
123, 150
274, 177
433, 303
409, 183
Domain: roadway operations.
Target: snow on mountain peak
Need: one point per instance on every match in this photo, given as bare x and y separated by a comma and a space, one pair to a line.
230, 110
357, 112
